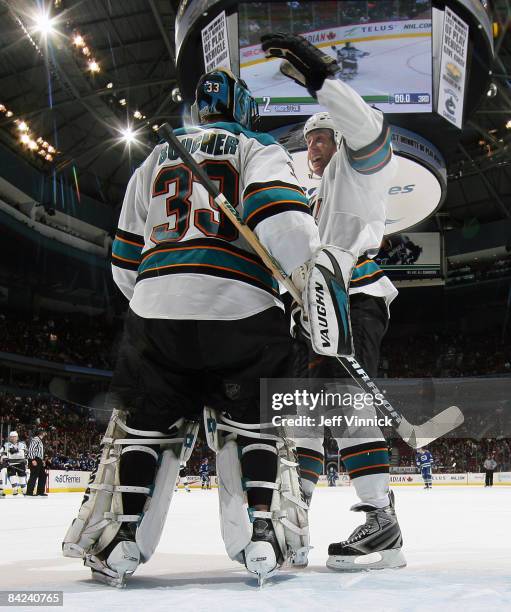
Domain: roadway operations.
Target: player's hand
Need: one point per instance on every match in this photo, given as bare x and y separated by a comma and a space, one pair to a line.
303, 63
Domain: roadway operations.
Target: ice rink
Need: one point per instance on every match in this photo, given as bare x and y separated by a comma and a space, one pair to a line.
457, 543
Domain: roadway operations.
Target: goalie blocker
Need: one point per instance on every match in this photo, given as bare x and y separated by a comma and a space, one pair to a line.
325, 315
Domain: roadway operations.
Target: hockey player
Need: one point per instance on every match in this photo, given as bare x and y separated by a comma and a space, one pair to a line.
350, 149
205, 323
182, 478
347, 58
204, 474
13, 466
332, 476
424, 463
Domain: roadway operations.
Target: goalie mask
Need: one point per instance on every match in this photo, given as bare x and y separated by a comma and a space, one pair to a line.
220, 94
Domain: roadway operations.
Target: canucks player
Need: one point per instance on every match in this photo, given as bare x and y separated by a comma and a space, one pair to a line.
350, 149
13, 465
424, 462
204, 474
205, 323
347, 58
332, 476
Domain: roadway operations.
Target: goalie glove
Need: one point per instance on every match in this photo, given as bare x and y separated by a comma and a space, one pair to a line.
304, 63
324, 317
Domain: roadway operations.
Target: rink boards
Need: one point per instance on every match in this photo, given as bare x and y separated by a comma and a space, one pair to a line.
60, 481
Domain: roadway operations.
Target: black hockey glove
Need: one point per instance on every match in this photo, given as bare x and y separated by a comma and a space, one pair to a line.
303, 63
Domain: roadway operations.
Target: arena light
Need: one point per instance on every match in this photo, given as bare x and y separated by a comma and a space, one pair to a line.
78, 40
32, 145
137, 114
2, 108
9, 113
44, 24
93, 66
122, 101
109, 85
128, 135
22, 126
25, 138
508, 124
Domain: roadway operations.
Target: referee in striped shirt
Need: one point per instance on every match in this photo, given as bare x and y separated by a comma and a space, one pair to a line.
37, 472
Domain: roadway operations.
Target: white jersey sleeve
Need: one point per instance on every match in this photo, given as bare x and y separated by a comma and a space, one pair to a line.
276, 208
129, 238
352, 199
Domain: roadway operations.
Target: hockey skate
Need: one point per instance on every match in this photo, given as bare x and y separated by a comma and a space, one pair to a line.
374, 545
263, 555
118, 561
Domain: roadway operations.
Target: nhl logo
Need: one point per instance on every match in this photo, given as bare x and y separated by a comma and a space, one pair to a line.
232, 390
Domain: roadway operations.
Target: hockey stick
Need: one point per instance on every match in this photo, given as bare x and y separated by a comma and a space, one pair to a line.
414, 435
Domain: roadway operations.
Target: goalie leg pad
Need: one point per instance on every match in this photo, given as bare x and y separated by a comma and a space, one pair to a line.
288, 509
101, 517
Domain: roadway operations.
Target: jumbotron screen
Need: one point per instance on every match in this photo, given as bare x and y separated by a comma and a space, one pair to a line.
383, 49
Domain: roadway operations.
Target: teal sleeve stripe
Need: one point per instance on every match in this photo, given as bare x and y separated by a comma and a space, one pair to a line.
368, 268
234, 128
370, 163
369, 459
207, 257
268, 196
126, 251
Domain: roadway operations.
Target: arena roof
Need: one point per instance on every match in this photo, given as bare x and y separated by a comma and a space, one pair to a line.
108, 66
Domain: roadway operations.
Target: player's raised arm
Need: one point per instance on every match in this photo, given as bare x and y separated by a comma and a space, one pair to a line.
361, 125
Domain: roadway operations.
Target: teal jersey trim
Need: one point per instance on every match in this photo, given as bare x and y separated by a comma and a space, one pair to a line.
210, 256
270, 195
369, 459
126, 251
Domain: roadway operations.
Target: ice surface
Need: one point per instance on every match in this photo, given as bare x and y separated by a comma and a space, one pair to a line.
457, 543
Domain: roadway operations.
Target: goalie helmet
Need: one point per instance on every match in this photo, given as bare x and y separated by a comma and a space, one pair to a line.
221, 94
321, 121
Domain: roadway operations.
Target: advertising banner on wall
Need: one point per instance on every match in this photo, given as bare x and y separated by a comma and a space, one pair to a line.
453, 68
215, 44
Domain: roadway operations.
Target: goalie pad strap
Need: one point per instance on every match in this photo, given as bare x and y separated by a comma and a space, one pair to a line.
140, 449
122, 518
253, 447
260, 484
153, 441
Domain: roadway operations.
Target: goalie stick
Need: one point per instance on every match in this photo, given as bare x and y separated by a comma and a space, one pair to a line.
414, 435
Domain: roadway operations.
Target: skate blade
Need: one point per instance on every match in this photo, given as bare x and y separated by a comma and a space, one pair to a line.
118, 583
384, 559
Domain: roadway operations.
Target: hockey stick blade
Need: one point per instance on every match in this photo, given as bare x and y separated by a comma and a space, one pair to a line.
418, 436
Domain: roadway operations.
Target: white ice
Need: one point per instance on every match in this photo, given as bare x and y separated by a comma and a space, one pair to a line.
457, 543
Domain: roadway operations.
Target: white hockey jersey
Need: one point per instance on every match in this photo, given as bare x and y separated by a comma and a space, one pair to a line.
351, 203
176, 256
13, 452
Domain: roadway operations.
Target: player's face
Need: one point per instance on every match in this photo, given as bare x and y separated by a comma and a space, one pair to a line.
320, 149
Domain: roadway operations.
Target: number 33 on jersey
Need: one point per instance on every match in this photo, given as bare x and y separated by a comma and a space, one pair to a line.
176, 255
